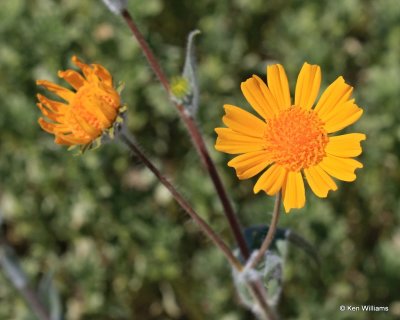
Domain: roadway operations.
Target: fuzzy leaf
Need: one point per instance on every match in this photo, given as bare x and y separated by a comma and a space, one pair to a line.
189, 73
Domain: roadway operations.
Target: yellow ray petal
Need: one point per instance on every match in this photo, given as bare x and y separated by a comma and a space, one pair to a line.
233, 142
86, 69
271, 105
62, 92
49, 114
52, 105
319, 181
337, 93
347, 145
271, 181
103, 74
73, 78
347, 113
293, 191
340, 168
278, 85
51, 127
254, 95
242, 121
307, 86
249, 164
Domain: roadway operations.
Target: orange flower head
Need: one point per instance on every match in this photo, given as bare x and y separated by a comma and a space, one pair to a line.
292, 140
88, 113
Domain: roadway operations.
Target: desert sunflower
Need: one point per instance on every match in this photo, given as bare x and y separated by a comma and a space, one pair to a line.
86, 113
292, 140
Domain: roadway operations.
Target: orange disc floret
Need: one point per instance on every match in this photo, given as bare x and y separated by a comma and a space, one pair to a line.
87, 111
296, 139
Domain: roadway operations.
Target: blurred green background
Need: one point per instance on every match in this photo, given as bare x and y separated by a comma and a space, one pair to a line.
117, 244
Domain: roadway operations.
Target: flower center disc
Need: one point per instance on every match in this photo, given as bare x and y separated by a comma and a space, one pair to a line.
296, 139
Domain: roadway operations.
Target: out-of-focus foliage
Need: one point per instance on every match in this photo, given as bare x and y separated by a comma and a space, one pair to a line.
116, 243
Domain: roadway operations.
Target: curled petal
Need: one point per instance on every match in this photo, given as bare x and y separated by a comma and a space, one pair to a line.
86, 69
73, 78
62, 92
103, 74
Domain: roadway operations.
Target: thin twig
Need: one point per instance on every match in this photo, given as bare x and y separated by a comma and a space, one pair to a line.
196, 138
271, 231
204, 227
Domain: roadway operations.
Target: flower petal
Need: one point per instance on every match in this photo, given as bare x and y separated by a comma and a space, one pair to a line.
271, 181
233, 142
249, 164
307, 86
86, 69
278, 85
242, 121
52, 105
272, 105
49, 114
259, 97
340, 168
342, 116
319, 181
103, 74
89, 129
51, 127
346, 145
293, 191
62, 92
69, 139
73, 78
337, 93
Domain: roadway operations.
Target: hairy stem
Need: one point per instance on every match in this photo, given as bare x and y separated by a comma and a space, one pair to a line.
271, 231
259, 294
196, 136
204, 227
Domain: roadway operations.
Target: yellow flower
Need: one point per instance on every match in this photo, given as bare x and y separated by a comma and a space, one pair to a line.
293, 140
86, 113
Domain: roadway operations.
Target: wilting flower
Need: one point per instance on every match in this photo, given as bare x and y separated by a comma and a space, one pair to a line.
87, 114
292, 140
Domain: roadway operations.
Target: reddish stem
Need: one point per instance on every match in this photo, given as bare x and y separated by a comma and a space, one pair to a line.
196, 138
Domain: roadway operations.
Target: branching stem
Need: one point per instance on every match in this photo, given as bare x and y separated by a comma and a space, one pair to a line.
204, 227
196, 136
